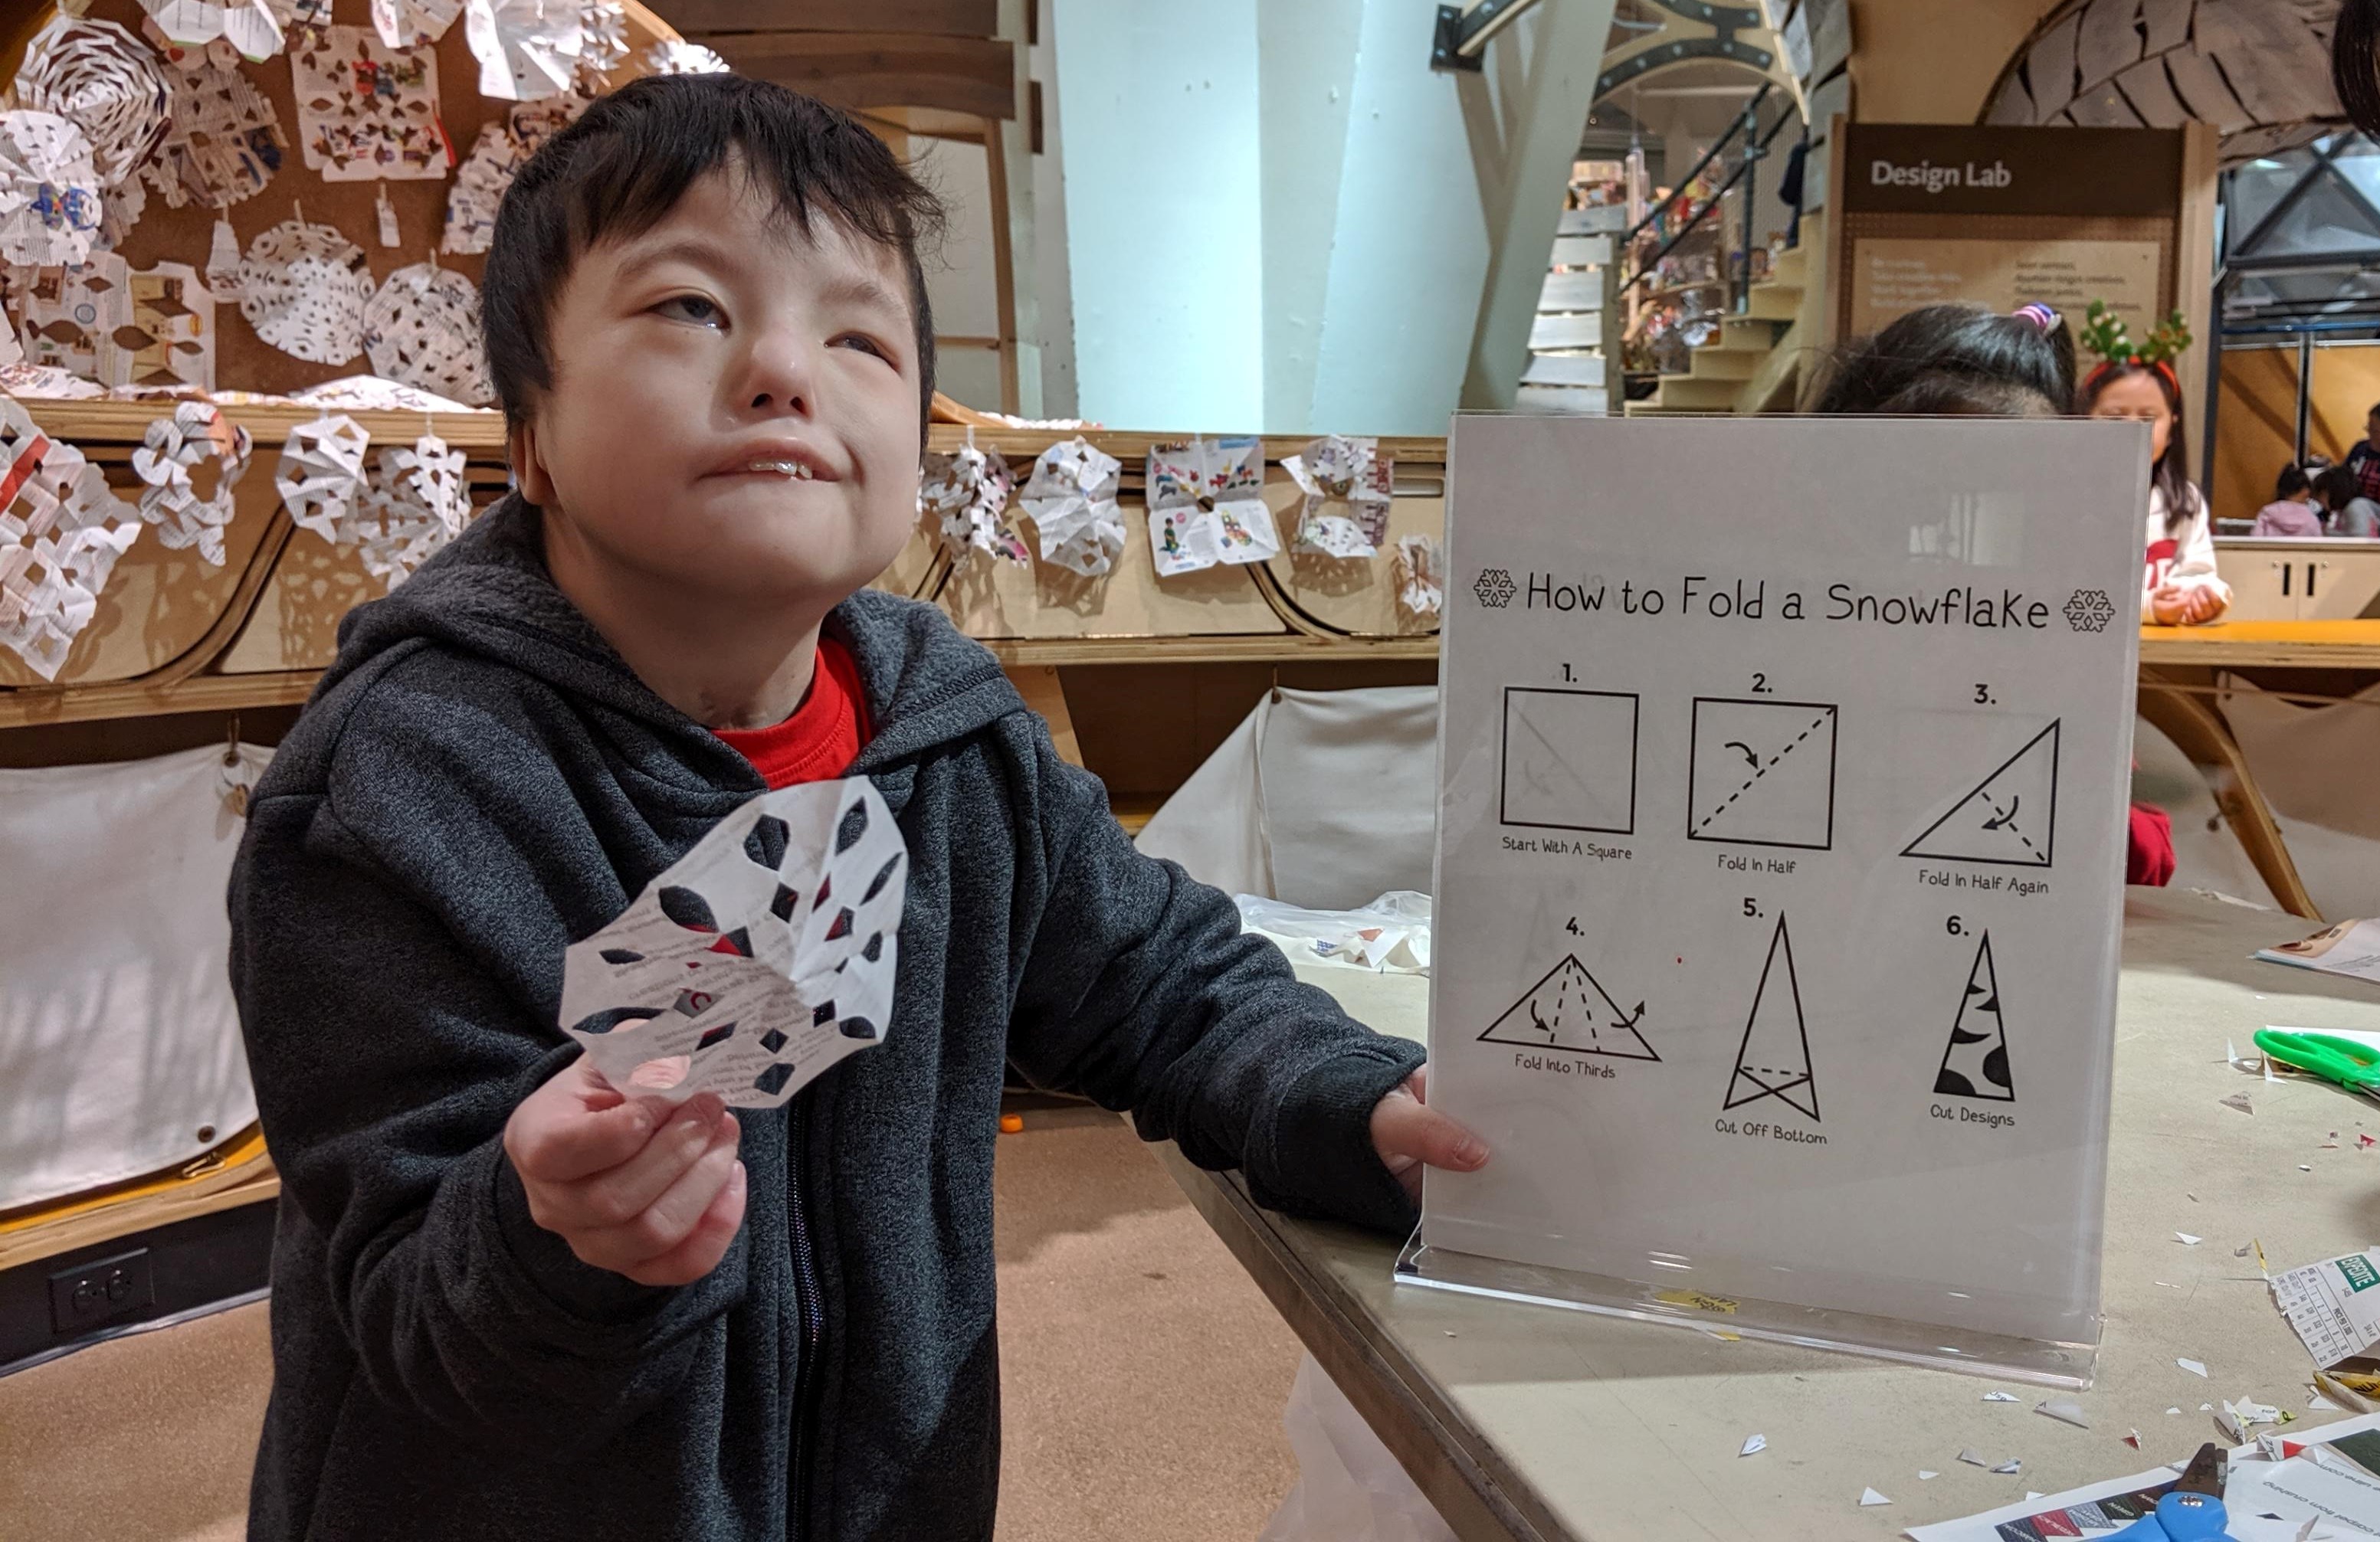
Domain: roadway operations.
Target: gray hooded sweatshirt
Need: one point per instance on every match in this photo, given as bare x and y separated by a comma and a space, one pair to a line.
478, 781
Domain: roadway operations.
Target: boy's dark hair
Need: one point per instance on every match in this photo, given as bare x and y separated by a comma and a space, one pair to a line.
2170, 476
623, 165
2293, 482
1955, 360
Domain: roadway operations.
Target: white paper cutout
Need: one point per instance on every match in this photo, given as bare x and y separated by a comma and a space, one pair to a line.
1205, 505
503, 146
1346, 483
1974, 1458
50, 200
674, 57
2195, 1368
2065, 1409
223, 143
149, 327
527, 49
384, 215
756, 962
370, 394
2000, 1397
416, 503
222, 262
603, 43
321, 476
1420, 566
413, 23
2012, 1465
303, 288
423, 328
103, 80
252, 29
1754, 1445
172, 450
1072, 497
61, 531
366, 110
1869, 1497
965, 497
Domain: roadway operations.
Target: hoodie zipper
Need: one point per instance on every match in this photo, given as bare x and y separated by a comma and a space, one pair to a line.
811, 1314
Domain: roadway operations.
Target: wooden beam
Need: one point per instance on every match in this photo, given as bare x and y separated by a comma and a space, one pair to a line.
956, 18
881, 69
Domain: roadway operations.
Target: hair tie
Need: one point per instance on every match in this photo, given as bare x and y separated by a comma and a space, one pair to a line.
2039, 315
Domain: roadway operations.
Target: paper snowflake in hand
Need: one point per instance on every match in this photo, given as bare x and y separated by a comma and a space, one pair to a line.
50, 200
104, 82
423, 328
1205, 505
303, 287
321, 476
61, 531
416, 503
1346, 484
1072, 497
173, 449
965, 498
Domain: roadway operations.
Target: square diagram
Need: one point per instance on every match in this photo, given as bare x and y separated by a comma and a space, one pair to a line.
1570, 760
1762, 773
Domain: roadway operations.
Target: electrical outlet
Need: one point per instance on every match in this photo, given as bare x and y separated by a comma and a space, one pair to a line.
101, 1291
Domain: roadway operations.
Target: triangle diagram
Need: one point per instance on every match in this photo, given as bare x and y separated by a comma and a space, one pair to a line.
2009, 818
1775, 1059
1976, 1062
1570, 1010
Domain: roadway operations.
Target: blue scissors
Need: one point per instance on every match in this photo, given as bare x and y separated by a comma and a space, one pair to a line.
2192, 1510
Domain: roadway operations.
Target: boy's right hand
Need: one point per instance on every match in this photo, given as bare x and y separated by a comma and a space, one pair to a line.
640, 1185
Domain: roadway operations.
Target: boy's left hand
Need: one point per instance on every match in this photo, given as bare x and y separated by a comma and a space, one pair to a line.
1410, 1135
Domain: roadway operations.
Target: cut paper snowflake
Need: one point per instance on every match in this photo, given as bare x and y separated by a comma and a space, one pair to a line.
370, 394
104, 82
1205, 505
149, 327
527, 49
603, 43
423, 328
964, 498
252, 29
1421, 586
50, 200
303, 288
503, 146
365, 109
321, 476
416, 503
171, 454
1346, 484
224, 141
1072, 497
412, 23
674, 57
61, 531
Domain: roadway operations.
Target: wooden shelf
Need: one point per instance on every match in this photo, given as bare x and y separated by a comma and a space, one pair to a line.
1271, 648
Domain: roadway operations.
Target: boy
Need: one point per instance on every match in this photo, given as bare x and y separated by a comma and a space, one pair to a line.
511, 1303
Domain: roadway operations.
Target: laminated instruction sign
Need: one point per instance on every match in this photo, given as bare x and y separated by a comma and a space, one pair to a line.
1784, 778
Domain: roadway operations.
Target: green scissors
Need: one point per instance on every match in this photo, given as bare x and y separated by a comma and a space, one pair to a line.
2354, 1066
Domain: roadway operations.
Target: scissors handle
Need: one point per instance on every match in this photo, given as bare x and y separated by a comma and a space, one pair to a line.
2344, 1061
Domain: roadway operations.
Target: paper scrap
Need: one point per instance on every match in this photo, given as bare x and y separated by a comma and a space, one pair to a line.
1753, 1444
753, 963
2132, 1438
224, 140
2238, 1100
2303, 1168
2000, 1397
2012, 1466
49, 199
1974, 1458
964, 498
1869, 1497
103, 80
421, 327
2187, 1240
2195, 1368
196, 441
1346, 482
366, 110
2065, 1409
2351, 948
2332, 1305
1205, 505
1420, 569
321, 476
1925, 1476
1072, 498
304, 287
2172, 1411
121, 327
61, 531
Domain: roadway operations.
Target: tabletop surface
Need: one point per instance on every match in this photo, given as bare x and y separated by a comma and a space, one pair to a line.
2344, 644
1622, 1429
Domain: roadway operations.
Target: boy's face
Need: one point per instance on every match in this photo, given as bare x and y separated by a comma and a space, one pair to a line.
734, 412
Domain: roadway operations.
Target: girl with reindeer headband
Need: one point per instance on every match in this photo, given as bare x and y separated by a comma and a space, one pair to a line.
2179, 583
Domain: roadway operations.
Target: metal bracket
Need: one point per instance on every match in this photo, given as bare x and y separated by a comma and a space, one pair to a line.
1460, 39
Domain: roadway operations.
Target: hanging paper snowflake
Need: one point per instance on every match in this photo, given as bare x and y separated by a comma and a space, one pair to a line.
175, 449
603, 43
965, 496
49, 202
104, 82
1205, 505
225, 142
1072, 497
61, 531
423, 328
675, 56
1421, 568
503, 146
527, 48
417, 504
412, 23
250, 27
321, 476
1346, 485
303, 288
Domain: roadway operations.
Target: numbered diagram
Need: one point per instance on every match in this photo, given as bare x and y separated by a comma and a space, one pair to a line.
1762, 773
1570, 759
1976, 1061
2010, 817
1569, 1009
1775, 1059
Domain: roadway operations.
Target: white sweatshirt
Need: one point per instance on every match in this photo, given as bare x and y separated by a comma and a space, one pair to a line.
2184, 558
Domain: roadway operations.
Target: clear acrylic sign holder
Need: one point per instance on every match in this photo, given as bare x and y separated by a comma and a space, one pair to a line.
1783, 770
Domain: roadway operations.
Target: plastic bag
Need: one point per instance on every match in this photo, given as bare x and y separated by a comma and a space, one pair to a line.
1390, 935
1349, 1487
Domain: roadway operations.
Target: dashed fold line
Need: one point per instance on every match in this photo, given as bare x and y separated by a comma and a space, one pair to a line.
1765, 770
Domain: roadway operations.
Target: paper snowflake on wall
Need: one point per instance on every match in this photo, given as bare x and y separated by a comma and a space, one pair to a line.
225, 142
965, 498
303, 287
412, 23
49, 199
1346, 484
1205, 505
103, 80
252, 29
1072, 497
527, 49
174, 452
503, 146
423, 328
321, 476
61, 531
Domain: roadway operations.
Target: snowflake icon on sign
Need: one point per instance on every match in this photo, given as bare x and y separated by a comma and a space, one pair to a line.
1495, 588
2090, 610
